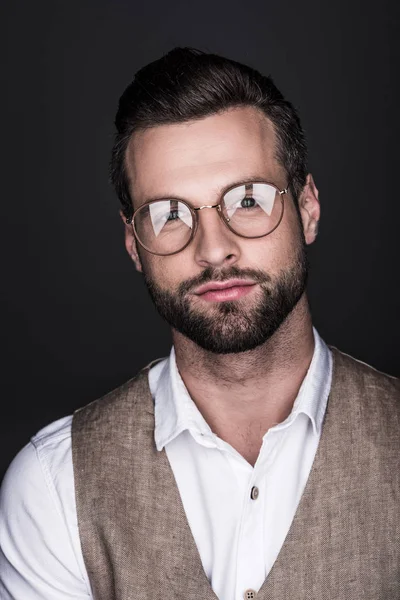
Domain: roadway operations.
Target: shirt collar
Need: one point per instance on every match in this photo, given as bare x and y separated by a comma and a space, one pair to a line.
174, 409
176, 412
313, 394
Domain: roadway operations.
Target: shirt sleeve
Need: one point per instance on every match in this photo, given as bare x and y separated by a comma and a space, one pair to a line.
38, 560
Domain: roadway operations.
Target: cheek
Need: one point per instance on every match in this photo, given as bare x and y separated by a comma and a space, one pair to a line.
273, 252
167, 271
290, 235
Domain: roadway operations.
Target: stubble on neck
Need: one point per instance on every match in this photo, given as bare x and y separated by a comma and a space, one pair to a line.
242, 395
290, 347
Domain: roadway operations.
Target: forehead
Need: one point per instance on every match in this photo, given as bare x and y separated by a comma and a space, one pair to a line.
203, 156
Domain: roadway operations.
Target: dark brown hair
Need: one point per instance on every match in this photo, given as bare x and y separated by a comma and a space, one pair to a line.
188, 84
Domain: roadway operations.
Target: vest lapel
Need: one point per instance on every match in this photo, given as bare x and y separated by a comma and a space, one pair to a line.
331, 551
136, 540
178, 553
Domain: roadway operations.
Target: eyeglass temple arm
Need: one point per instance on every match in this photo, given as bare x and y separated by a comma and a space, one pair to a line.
286, 189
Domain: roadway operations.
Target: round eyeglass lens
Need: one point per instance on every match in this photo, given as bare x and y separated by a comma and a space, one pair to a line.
253, 209
163, 226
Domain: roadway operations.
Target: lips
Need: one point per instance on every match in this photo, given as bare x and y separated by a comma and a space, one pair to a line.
215, 286
219, 291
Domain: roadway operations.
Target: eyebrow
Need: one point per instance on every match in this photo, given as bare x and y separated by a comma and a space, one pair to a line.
219, 191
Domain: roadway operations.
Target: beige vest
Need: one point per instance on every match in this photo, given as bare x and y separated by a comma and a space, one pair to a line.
344, 541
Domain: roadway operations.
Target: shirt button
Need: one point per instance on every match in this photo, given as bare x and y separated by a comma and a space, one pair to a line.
249, 594
255, 492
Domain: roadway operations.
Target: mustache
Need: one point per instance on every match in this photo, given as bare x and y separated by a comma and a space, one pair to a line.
210, 274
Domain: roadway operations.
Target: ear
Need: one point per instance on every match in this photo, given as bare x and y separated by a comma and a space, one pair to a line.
309, 209
130, 243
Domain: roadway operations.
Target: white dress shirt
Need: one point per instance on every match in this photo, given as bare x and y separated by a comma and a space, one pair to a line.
238, 537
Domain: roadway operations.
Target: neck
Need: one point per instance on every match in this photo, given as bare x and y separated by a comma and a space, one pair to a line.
254, 389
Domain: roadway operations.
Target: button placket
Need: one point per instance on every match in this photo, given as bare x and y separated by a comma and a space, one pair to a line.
250, 560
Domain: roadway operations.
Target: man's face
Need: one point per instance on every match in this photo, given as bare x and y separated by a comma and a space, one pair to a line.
196, 161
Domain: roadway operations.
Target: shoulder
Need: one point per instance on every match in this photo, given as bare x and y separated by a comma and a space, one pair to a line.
370, 396
347, 367
38, 522
54, 438
41, 469
47, 454
116, 406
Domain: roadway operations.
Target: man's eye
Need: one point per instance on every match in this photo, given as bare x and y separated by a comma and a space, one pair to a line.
173, 215
248, 203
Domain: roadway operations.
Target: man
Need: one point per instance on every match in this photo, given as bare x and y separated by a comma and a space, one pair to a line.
255, 461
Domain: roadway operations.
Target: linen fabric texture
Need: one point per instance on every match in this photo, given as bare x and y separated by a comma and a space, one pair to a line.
343, 543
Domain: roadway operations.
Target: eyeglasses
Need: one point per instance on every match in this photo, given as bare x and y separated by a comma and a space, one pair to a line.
250, 210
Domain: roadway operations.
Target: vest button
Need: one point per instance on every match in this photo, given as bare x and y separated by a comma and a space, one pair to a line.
249, 594
255, 492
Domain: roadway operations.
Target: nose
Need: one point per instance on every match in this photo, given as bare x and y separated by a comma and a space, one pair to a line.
215, 244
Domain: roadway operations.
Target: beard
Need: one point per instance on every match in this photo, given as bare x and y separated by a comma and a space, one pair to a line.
239, 325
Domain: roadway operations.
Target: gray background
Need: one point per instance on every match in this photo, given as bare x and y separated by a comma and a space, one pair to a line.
77, 318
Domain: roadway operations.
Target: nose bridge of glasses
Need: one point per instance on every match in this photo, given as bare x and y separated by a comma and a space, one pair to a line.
217, 206
214, 240
207, 206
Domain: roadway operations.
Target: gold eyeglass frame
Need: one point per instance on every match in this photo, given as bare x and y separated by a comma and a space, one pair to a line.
194, 212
